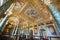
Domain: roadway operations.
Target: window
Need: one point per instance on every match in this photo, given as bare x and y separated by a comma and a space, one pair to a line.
2, 2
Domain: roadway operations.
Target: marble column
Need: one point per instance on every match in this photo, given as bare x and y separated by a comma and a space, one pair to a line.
56, 16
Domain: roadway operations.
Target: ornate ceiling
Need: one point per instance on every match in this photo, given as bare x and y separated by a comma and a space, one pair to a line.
31, 12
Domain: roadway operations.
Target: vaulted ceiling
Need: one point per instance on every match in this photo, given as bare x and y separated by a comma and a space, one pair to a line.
32, 11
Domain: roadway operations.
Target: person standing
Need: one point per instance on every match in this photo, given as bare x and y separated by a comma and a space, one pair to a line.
31, 35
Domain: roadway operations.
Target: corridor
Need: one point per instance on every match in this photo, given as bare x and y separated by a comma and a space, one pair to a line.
29, 20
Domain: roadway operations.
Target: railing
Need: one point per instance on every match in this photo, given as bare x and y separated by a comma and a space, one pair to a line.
4, 7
